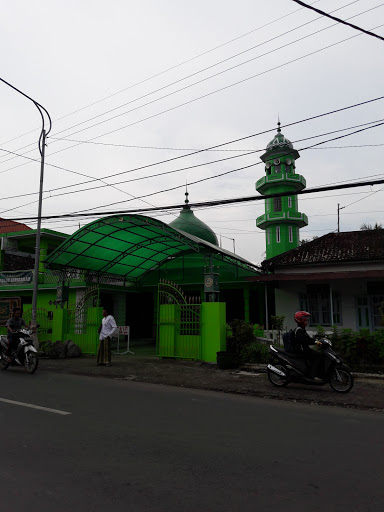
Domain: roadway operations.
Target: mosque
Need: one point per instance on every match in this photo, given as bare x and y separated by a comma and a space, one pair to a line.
122, 259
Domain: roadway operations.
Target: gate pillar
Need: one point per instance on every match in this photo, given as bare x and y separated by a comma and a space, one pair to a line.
59, 324
213, 330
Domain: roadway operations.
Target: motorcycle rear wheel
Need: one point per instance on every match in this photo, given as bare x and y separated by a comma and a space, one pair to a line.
32, 363
3, 364
277, 380
341, 380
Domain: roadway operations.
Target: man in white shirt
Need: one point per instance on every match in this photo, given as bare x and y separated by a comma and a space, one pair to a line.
107, 328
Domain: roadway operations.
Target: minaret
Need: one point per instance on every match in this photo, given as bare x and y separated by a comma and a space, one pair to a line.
281, 220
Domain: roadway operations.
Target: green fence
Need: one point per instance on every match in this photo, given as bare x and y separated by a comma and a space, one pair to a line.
179, 331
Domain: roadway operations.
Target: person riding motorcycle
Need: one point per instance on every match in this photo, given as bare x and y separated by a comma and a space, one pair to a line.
14, 324
303, 340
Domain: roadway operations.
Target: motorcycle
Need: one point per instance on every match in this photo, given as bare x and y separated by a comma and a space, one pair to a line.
290, 367
24, 355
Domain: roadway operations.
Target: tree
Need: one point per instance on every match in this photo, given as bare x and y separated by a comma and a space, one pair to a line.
306, 240
369, 227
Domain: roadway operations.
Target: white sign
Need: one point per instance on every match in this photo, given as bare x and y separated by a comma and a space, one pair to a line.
124, 329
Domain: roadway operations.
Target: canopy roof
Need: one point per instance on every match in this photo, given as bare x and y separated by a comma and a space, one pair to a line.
131, 246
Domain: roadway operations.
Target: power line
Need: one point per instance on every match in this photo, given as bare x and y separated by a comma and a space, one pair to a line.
181, 169
338, 19
191, 75
166, 70
198, 98
232, 170
218, 202
220, 150
217, 64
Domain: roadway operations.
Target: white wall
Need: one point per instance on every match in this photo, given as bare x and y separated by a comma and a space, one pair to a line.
287, 299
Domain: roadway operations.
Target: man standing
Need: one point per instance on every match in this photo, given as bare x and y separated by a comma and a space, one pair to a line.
107, 328
14, 324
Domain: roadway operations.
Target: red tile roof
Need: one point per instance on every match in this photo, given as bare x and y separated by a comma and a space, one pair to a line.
318, 276
10, 226
353, 246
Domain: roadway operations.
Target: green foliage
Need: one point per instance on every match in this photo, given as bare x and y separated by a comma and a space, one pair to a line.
277, 322
320, 331
243, 345
256, 353
362, 347
242, 336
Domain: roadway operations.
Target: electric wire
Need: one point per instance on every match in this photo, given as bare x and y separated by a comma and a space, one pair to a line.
178, 170
166, 70
327, 15
203, 96
193, 74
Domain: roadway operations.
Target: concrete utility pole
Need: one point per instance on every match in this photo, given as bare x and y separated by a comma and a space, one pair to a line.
42, 141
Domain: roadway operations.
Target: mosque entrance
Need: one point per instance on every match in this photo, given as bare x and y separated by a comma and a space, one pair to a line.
178, 323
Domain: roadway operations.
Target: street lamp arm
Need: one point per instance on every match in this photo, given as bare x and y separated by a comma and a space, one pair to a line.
42, 139
39, 107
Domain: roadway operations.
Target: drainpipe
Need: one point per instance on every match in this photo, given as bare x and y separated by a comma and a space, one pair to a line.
266, 307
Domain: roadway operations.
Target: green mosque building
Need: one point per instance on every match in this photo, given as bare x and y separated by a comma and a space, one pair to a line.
136, 264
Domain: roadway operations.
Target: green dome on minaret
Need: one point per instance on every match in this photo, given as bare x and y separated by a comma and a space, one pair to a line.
281, 220
187, 222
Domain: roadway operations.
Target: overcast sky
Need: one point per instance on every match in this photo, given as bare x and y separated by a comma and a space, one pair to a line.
88, 61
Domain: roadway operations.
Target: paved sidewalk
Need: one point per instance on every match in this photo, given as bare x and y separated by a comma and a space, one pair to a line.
368, 393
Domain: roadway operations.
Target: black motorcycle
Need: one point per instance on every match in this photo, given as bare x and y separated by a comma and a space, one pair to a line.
24, 355
287, 367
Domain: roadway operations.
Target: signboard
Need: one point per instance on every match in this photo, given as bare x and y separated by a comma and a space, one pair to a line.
6, 307
124, 329
16, 278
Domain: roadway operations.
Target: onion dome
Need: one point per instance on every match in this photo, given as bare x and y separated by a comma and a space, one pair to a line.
279, 145
187, 222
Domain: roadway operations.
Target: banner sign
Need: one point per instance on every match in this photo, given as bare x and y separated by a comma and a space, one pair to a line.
16, 277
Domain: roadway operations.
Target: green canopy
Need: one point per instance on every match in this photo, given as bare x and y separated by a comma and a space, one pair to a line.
130, 246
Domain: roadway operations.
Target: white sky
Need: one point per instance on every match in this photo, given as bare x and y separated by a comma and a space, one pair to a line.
68, 55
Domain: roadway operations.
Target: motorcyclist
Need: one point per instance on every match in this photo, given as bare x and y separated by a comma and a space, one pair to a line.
303, 340
14, 324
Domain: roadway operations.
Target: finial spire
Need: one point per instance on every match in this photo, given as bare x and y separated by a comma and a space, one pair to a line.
186, 206
278, 123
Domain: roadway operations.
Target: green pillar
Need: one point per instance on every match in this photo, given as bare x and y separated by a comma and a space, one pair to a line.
59, 324
213, 330
246, 303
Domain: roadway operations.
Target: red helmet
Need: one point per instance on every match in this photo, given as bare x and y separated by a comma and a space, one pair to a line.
300, 316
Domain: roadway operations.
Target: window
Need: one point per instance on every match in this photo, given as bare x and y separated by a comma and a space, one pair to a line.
377, 308
289, 202
278, 234
277, 204
290, 234
317, 301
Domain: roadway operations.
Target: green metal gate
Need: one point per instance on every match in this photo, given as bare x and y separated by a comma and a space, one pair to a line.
43, 320
178, 323
83, 320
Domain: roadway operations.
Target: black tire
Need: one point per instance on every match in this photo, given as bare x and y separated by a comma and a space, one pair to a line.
3, 364
32, 363
275, 379
340, 379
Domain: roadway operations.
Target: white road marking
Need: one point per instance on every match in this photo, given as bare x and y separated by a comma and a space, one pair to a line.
23, 404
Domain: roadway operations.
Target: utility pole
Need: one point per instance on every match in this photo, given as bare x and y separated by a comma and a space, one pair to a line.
338, 217
42, 141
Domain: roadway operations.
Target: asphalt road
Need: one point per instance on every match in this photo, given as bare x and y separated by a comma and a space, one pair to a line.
127, 446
